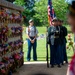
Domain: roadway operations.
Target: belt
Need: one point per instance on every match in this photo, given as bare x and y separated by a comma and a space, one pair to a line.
56, 36
32, 36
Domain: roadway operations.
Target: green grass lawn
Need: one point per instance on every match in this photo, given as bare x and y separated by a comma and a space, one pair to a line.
41, 46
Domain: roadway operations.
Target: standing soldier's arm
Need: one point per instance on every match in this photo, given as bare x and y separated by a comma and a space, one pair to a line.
29, 37
65, 31
27, 33
36, 34
50, 32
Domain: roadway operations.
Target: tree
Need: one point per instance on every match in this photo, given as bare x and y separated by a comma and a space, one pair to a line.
29, 3
37, 9
60, 7
41, 12
29, 10
19, 2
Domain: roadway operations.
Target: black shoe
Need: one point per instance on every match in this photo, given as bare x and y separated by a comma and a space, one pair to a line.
66, 62
28, 60
52, 66
62, 64
59, 66
35, 60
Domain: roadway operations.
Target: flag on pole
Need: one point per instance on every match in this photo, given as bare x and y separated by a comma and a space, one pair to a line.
51, 13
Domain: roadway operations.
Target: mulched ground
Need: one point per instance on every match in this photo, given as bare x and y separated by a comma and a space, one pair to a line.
40, 69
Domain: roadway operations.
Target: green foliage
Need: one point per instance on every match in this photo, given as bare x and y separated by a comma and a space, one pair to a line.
37, 9
28, 9
60, 7
41, 12
29, 4
19, 2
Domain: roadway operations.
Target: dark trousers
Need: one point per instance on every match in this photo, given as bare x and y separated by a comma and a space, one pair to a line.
58, 54
30, 46
52, 55
64, 52
61, 53
55, 54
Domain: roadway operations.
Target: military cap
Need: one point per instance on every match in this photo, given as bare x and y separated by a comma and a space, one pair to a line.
55, 20
31, 20
71, 5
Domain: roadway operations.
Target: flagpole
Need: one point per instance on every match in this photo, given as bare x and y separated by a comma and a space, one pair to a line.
47, 47
51, 15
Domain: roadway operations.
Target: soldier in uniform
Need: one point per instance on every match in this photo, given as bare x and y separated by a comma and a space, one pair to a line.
53, 34
32, 33
63, 34
64, 29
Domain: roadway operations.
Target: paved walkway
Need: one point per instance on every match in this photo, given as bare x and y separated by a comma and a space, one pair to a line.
40, 68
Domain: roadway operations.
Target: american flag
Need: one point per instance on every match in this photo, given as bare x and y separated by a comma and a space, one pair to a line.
51, 13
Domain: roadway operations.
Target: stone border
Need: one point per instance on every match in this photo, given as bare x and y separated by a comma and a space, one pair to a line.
9, 5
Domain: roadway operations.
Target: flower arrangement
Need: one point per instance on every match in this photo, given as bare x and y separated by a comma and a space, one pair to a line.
16, 31
7, 15
1, 50
11, 46
2, 68
6, 49
9, 61
18, 57
3, 34
70, 42
3, 15
10, 58
9, 64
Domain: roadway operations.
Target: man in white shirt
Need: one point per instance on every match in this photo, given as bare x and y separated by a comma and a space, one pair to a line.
32, 40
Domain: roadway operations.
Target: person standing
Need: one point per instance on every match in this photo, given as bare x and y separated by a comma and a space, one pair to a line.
53, 34
63, 34
32, 33
64, 29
